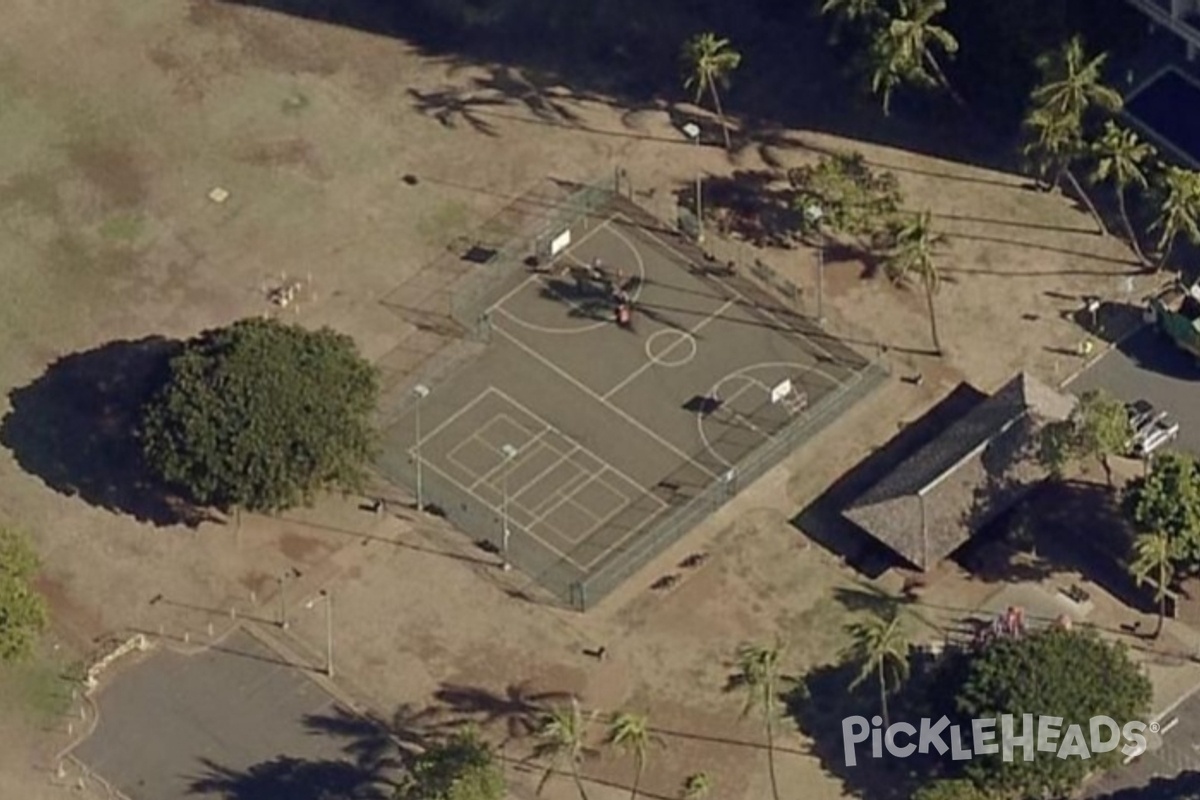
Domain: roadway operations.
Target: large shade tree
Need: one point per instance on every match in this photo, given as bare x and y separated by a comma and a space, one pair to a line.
461, 768
1166, 501
22, 609
261, 416
708, 61
1098, 428
1055, 672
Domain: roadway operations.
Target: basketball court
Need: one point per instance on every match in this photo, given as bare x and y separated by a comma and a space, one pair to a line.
580, 437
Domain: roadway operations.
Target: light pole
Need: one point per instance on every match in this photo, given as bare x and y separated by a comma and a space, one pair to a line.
692, 131
510, 453
328, 598
814, 214
420, 391
283, 620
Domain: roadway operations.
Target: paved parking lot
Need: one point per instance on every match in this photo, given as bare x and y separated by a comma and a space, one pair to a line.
232, 723
1168, 771
1147, 366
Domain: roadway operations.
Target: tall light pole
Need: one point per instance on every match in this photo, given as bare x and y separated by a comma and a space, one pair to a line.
420, 391
814, 214
510, 453
692, 131
328, 598
283, 620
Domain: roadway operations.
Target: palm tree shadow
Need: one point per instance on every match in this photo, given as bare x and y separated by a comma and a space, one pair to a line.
449, 106
518, 708
75, 427
376, 744
291, 778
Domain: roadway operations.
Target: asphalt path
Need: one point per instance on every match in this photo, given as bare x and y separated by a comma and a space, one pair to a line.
235, 722
1148, 366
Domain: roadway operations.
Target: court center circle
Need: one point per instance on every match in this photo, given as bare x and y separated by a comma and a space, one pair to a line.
635, 258
670, 348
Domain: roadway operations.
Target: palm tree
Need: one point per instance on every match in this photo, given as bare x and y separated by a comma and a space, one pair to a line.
708, 60
913, 253
696, 786
1152, 554
631, 733
758, 675
1071, 84
563, 734
1056, 142
852, 12
1179, 211
881, 648
902, 50
1120, 154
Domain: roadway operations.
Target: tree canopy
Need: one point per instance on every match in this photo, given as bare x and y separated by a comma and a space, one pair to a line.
1167, 502
461, 768
22, 609
853, 199
262, 415
1073, 674
1097, 428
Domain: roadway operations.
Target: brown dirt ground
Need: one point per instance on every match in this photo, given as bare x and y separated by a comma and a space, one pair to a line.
120, 116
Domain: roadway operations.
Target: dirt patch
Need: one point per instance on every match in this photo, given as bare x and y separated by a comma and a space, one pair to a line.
302, 549
280, 153
71, 618
112, 169
191, 80
300, 49
36, 192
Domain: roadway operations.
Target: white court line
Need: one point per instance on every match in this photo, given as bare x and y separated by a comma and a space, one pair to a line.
604, 465
558, 462
520, 287
505, 463
426, 438
582, 387
649, 363
477, 436
570, 498
738, 294
450, 478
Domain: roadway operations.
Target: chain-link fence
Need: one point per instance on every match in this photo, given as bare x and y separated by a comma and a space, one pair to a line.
620, 565
583, 208
486, 520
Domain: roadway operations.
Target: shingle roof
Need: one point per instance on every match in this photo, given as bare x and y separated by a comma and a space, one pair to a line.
941, 495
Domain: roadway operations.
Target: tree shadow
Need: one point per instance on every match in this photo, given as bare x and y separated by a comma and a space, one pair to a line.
74, 427
753, 205
518, 707
827, 696
1184, 786
290, 778
380, 745
823, 520
1152, 351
